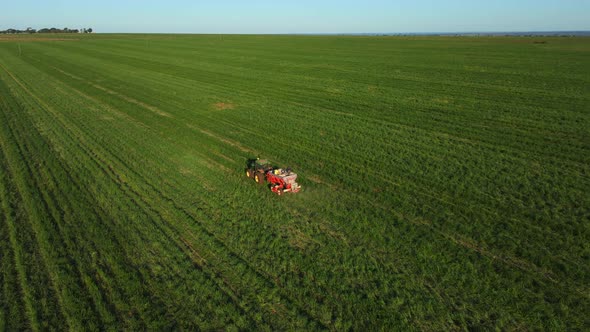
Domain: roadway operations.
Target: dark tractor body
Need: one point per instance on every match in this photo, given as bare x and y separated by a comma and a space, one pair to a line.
257, 168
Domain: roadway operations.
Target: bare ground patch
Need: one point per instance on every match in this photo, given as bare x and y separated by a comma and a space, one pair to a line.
441, 100
315, 179
224, 106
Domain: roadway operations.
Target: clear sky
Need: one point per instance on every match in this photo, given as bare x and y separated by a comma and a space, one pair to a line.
298, 16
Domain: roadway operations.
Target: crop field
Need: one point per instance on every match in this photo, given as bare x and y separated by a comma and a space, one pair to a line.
445, 183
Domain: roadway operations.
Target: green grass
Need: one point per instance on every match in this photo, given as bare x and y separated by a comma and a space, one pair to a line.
445, 183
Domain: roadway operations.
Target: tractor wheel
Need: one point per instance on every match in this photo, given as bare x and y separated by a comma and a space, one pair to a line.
280, 192
259, 178
248, 173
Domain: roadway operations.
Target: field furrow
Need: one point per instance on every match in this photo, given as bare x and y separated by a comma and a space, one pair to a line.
15, 305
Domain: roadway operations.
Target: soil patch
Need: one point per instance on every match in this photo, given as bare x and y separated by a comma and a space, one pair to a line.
224, 106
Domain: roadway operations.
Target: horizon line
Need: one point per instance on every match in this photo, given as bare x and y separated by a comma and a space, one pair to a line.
336, 33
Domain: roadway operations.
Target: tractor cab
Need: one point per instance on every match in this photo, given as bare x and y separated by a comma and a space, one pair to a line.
259, 165
257, 168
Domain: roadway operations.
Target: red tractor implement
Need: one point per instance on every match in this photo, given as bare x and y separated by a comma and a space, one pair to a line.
279, 180
282, 181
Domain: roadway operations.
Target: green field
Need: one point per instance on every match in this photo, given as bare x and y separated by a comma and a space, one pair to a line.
445, 183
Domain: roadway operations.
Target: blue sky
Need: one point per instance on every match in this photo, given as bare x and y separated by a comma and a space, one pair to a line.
299, 16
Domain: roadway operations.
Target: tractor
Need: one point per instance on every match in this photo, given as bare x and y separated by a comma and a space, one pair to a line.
278, 179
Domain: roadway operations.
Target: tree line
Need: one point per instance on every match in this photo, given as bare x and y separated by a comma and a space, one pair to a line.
46, 30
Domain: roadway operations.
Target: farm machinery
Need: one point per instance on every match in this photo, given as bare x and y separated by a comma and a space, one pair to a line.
278, 179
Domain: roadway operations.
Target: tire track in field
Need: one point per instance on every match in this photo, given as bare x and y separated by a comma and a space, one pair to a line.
126, 98
8, 214
222, 139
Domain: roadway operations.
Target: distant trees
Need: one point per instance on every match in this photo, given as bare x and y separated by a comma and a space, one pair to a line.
30, 30
12, 31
